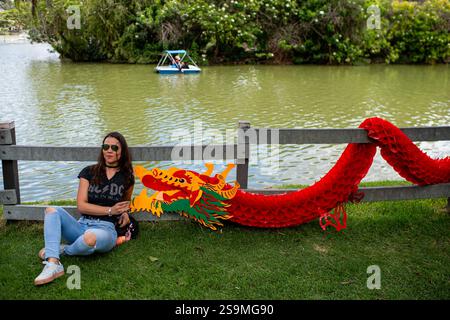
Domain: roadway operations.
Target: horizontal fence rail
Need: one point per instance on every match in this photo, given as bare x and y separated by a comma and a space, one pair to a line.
371, 194
10, 154
36, 213
335, 136
144, 153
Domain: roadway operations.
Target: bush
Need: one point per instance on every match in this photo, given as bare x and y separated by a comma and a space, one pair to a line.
419, 33
251, 31
14, 19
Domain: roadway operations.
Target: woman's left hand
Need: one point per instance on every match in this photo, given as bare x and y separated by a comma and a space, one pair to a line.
124, 219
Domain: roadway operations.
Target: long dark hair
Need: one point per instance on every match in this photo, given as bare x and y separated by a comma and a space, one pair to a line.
99, 170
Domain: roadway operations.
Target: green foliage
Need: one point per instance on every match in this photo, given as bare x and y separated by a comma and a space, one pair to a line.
250, 31
15, 18
420, 33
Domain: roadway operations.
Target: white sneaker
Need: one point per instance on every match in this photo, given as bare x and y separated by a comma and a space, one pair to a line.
41, 253
51, 272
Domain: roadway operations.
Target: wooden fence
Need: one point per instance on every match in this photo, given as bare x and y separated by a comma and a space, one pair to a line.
11, 153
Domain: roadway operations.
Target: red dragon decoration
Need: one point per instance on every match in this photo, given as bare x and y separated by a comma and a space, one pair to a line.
209, 199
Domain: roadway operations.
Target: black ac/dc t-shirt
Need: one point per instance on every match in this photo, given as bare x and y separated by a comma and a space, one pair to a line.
107, 193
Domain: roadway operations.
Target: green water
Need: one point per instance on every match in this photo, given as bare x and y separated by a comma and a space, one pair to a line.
56, 103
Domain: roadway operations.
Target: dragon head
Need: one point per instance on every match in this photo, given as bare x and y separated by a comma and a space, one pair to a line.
191, 194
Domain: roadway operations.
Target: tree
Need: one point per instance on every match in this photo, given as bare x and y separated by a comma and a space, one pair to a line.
33, 7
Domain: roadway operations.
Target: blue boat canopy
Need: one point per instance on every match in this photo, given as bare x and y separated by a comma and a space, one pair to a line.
176, 51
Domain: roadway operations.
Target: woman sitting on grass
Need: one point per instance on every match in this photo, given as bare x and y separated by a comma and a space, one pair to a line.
103, 199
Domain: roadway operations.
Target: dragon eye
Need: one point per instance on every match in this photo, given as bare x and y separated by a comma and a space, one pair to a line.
182, 180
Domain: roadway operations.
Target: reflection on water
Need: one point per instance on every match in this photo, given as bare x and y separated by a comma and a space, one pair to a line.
77, 104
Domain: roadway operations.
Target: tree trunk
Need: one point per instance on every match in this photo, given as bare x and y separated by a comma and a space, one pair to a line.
33, 7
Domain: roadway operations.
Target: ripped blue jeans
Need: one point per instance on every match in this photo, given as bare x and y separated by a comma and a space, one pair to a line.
61, 224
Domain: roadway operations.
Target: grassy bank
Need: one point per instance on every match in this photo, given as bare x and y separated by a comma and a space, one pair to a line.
408, 240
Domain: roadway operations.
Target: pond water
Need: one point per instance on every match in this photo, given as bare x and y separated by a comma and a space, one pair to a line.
76, 104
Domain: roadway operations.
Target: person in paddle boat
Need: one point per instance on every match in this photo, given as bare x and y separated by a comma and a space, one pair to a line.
184, 65
103, 199
177, 62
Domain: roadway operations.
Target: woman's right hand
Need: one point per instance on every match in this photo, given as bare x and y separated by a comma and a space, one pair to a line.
120, 207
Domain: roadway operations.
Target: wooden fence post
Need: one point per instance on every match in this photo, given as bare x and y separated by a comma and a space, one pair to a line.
243, 154
10, 167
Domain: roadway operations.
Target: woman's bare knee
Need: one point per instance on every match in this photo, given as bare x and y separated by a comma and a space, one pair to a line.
89, 238
50, 210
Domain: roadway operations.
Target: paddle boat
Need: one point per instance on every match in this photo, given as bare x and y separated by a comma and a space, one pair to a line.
176, 61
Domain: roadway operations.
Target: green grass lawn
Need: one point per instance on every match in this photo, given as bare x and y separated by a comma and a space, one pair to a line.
408, 240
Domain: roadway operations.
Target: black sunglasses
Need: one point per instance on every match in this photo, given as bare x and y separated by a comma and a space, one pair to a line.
106, 147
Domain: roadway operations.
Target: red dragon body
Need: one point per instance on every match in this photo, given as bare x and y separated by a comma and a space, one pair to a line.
208, 199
